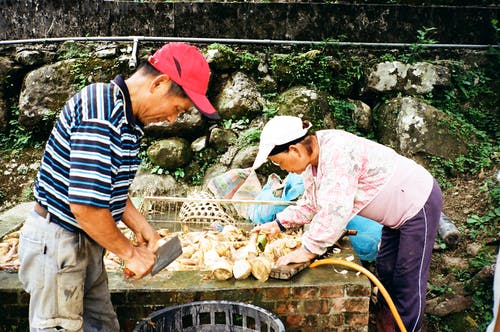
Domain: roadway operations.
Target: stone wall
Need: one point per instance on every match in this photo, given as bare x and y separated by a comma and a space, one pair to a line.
277, 20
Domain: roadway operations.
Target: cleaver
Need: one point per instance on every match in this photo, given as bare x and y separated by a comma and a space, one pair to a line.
286, 272
168, 251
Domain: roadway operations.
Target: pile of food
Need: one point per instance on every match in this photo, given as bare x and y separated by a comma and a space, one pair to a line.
9, 259
227, 253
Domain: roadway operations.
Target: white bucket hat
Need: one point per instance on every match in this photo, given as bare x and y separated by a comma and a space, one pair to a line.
278, 131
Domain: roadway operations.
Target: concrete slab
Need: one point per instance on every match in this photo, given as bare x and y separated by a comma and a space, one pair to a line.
13, 219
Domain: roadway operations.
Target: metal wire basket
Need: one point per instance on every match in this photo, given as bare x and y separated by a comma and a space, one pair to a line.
198, 210
211, 316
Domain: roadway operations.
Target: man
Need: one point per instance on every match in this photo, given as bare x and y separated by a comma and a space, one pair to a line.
81, 190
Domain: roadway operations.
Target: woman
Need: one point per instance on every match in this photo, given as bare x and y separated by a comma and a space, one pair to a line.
345, 175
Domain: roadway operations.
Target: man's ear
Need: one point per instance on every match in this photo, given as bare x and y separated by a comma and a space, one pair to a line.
160, 82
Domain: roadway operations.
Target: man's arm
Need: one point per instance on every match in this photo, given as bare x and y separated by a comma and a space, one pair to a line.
99, 224
144, 232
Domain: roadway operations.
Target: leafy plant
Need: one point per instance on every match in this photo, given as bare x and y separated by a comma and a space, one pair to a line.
342, 113
424, 38
179, 173
250, 136
494, 24
18, 136
235, 124
71, 49
437, 290
202, 160
27, 194
247, 61
480, 309
156, 169
387, 57
480, 225
270, 110
77, 71
50, 115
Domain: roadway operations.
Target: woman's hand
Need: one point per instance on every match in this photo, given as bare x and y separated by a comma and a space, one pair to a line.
297, 256
271, 229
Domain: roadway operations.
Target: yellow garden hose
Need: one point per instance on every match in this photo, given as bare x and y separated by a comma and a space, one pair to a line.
354, 266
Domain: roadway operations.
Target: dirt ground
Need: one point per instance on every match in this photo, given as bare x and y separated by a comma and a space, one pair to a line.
17, 173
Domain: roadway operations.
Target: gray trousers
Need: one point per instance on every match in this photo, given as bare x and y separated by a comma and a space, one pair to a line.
65, 276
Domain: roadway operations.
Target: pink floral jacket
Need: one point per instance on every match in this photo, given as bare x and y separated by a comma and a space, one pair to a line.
351, 171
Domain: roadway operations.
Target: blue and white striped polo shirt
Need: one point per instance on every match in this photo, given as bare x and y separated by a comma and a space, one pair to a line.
91, 154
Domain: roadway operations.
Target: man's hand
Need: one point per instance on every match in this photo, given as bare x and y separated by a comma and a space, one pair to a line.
145, 234
148, 236
140, 264
100, 226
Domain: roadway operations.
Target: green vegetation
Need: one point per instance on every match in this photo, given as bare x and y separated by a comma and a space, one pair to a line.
72, 50
471, 101
250, 137
481, 310
488, 222
18, 136
79, 77
417, 49
146, 164
243, 60
202, 160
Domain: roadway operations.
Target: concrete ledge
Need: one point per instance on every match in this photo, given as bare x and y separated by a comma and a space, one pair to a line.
11, 220
319, 299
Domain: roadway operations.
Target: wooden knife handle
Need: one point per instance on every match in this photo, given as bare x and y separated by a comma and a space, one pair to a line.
350, 232
128, 273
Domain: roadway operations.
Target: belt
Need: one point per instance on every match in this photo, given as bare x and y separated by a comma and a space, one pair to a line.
41, 210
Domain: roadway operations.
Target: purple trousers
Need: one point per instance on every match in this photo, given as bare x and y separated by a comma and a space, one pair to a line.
404, 258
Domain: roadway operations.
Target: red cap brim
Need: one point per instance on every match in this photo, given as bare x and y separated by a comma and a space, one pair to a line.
202, 104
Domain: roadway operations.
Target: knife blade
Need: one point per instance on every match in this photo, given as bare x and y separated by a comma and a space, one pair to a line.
167, 253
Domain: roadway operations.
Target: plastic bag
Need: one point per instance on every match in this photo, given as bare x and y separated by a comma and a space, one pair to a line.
366, 241
228, 183
275, 190
237, 184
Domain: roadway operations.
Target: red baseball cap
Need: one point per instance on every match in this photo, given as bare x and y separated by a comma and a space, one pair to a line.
186, 66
